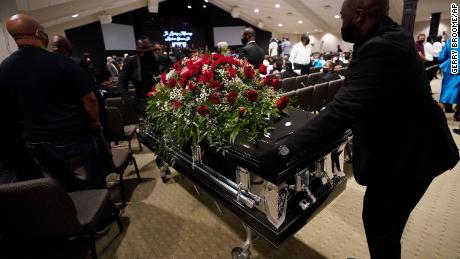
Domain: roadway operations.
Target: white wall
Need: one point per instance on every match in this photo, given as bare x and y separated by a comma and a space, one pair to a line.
325, 42
424, 27
7, 44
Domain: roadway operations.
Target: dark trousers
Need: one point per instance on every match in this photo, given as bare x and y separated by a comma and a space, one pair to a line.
138, 105
304, 69
386, 210
431, 73
76, 163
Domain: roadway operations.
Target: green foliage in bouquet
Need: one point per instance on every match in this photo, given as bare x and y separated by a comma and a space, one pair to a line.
212, 99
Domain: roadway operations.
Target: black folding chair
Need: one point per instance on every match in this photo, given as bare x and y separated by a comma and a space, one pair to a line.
305, 97
288, 84
301, 81
41, 209
319, 96
334, 87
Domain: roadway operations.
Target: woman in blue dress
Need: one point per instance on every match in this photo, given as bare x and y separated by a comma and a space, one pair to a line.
450, 82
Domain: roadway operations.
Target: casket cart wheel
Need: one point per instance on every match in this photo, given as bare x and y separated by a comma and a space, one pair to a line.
244, 252
240, 253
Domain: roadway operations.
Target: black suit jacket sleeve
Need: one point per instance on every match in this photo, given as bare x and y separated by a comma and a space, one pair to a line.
124, 77
244, 53
365, 89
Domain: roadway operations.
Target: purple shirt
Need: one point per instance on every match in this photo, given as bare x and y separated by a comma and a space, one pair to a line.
419, 47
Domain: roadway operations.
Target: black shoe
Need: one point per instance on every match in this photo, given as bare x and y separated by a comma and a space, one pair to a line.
456, 131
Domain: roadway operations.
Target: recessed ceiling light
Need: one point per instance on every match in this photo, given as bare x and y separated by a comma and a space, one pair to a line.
300, 22
204, 6
206, 1
256, 10
277, 5
75, 15
189, 6
337, 16
280, 24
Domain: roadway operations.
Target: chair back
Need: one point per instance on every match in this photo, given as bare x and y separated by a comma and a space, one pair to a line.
313, 78
334, 87
115, 126
288, 94
288, 84
342, 71
305, 97
319, 96
300, 81
128, 114
36, 208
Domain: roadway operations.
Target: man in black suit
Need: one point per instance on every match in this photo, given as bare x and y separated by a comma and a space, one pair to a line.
397, 152
163, 61
251, 51
328, 73
140, 69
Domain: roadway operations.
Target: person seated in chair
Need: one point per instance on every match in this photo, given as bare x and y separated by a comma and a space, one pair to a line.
329, 74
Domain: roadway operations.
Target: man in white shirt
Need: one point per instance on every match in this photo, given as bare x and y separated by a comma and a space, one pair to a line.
300, 55
437, 47
428, 50
273, 48
429, 62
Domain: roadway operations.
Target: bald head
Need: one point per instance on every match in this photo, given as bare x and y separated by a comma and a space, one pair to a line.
360, 16
60, 44
25, 30
249, 34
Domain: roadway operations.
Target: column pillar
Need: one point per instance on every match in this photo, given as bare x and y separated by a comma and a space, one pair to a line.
409, 12
434, 24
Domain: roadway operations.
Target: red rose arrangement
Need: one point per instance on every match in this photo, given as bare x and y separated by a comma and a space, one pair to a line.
262, 69
213, 98
282, 103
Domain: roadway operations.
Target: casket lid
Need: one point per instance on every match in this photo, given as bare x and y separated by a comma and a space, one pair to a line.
261, 158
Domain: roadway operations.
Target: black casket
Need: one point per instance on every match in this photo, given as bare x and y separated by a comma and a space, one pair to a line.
276, 197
